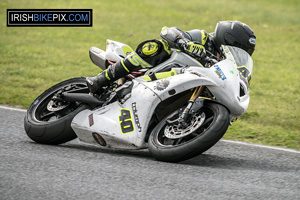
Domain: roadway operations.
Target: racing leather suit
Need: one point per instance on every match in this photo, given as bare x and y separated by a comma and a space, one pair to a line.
153, 52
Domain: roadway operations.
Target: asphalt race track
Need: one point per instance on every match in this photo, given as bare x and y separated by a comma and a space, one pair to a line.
76, 170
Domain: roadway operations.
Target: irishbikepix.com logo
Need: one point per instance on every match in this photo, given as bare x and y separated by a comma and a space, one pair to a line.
49, 17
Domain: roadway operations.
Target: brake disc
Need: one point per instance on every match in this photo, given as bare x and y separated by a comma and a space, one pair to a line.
56, 106
175, 131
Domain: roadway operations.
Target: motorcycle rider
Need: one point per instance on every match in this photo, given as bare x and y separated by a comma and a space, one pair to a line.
195, 43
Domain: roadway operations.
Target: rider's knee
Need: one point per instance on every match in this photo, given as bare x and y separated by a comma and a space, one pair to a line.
154, 51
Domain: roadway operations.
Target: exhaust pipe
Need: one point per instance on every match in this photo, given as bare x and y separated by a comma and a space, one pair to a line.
82, 97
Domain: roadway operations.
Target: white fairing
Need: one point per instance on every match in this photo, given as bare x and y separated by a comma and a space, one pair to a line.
107, 120
124, 125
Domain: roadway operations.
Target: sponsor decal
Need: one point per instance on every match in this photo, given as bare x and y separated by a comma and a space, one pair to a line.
49, 17
219, 72
36, 101
245, 74
99, 139
136, 117
126, 123
91, 120
162, 84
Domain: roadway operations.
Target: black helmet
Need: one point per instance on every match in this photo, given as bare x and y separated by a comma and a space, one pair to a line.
235, 33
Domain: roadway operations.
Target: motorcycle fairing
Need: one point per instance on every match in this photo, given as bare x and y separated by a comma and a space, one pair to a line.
136, 111
109, 120
124, 125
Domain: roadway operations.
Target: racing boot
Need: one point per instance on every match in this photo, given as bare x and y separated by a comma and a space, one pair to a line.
95, 83
108, 76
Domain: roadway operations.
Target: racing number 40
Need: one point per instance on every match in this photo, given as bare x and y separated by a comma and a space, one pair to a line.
126, 122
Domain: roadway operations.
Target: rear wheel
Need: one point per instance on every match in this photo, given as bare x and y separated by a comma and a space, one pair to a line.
48, 119
172, 142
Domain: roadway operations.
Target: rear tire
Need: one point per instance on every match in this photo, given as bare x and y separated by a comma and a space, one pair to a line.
53, 127
209, 133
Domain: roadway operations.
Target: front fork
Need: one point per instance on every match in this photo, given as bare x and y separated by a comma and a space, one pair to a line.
194, 104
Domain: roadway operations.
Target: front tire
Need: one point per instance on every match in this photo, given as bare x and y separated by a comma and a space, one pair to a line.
178, 149
48, 122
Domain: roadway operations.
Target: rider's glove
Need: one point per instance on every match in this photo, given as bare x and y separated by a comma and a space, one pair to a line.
194, 49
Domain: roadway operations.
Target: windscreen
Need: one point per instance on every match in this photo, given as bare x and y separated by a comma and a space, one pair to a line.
243, 61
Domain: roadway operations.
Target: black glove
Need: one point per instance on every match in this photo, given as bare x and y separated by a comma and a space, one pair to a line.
193, 48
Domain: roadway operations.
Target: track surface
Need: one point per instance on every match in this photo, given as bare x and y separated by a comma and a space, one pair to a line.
78, 171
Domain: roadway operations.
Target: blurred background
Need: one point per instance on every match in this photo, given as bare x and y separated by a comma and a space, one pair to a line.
33, 59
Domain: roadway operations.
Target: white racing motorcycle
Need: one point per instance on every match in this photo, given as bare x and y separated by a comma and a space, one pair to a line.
177, 110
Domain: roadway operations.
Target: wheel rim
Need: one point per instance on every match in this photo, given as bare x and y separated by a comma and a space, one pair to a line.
47, 109
206, 114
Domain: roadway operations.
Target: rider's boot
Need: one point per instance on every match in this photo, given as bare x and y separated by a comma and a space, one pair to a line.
111, 74
95, 83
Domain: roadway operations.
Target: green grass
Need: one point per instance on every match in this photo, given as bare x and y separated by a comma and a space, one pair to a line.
32, 58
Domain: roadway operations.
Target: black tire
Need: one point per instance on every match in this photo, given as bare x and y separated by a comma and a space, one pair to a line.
177, 150
53, 127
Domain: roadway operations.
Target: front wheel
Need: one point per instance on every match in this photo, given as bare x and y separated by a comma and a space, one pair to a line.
48, 121
171, 142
